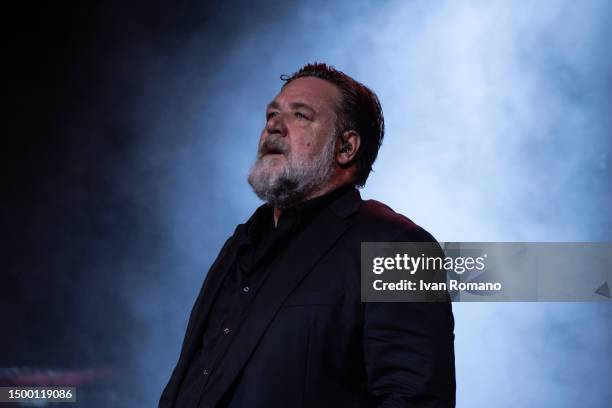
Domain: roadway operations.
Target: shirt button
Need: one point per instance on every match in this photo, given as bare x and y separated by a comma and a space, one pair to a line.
226, 330
205, 372
246, 289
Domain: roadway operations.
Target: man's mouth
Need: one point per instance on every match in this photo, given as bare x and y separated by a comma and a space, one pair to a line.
272, 151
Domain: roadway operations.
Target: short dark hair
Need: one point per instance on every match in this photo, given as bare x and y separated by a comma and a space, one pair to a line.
359, 110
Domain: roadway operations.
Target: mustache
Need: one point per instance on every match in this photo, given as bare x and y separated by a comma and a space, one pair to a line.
273, 145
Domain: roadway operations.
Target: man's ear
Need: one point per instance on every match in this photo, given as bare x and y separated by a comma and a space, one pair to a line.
348, 145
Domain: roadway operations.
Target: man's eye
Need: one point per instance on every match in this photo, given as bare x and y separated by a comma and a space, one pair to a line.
300, 115
270, 115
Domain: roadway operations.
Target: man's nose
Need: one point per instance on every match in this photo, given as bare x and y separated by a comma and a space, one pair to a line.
276, 125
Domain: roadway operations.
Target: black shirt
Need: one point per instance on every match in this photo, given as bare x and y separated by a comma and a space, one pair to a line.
262, 244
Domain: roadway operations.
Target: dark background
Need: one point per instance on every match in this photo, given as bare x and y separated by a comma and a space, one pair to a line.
80, 205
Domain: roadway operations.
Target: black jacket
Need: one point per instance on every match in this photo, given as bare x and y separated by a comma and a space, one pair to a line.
308, 340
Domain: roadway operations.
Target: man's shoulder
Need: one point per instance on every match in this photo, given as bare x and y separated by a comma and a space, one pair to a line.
379, 222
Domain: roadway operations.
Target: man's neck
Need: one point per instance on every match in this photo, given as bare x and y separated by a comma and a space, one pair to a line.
277, 214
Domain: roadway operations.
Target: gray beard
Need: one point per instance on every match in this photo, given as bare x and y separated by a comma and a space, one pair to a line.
290, 185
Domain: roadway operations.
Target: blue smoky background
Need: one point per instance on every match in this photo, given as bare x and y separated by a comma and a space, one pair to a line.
132, 126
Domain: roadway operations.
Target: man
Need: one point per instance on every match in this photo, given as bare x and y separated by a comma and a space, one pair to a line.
279, 321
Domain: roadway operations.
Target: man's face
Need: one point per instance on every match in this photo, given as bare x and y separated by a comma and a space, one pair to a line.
297, 145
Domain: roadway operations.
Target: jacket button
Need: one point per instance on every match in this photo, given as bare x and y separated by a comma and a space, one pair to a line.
205, 372
246, 289
226, 330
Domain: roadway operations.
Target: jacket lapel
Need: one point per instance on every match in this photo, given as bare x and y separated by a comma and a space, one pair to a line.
285, 275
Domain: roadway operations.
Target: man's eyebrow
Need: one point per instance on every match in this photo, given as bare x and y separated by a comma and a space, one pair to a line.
298, 105
273, 105
293, 105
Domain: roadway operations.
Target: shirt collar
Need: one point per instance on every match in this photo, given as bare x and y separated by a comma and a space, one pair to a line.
305, 211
